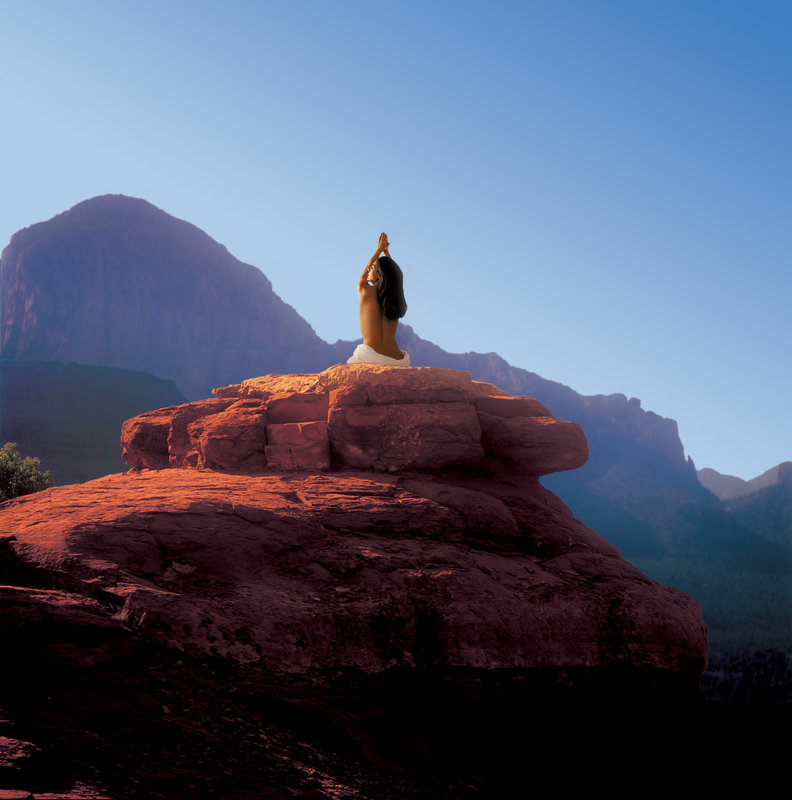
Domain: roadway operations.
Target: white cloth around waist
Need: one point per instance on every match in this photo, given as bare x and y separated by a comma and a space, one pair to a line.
368, 355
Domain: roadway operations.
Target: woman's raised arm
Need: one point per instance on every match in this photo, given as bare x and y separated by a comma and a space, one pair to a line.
382, 247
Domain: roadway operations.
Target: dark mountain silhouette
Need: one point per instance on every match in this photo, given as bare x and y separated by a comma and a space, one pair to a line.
117, 282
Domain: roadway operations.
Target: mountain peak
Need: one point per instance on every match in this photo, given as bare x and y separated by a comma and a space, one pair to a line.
126, 210
115, 281
113, 201
95, 211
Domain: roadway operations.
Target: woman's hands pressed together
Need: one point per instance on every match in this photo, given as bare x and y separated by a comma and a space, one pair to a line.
371, 272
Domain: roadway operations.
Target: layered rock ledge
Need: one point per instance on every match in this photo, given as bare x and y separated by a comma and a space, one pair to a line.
358, 417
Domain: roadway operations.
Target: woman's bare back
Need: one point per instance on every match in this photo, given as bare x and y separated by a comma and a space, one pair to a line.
379, 332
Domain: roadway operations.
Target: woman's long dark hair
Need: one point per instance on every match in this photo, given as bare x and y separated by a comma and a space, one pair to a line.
390, 289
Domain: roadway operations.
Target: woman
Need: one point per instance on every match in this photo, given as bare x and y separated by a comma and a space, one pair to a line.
381, 307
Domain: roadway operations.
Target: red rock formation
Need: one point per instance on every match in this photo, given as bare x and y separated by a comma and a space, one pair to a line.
347, 517
358, 417
369, 527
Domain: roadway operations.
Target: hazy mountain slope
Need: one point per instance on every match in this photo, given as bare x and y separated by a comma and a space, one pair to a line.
768, 512
727, 487
722, 486
69, 415
115, 281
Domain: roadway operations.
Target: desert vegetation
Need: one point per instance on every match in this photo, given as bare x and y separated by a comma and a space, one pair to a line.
19, 475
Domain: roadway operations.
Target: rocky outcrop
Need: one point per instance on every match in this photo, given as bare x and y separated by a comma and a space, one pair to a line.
358, 417
362, 499
363, 555
298, 573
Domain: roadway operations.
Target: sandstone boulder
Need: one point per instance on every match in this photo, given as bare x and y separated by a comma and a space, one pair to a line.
371, 417
144, 439
534, 445
404, 436
233, 438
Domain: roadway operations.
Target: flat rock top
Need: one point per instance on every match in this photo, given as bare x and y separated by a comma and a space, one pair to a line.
429, 380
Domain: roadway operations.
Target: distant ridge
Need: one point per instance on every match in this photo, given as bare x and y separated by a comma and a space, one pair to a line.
727, 487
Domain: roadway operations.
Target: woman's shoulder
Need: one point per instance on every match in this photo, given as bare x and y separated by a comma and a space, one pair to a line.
365, 289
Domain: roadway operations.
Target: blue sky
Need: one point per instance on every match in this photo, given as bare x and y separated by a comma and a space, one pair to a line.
598, 191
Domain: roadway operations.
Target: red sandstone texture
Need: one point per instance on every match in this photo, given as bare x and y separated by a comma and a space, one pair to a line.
364, 517
358, 417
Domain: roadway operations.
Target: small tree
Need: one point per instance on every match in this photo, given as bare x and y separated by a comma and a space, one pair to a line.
19, 475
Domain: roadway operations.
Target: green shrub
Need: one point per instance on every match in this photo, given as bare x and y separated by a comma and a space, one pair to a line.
19, 475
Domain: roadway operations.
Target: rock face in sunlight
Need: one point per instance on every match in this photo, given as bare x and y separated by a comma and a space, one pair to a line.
363, 556
358, 417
